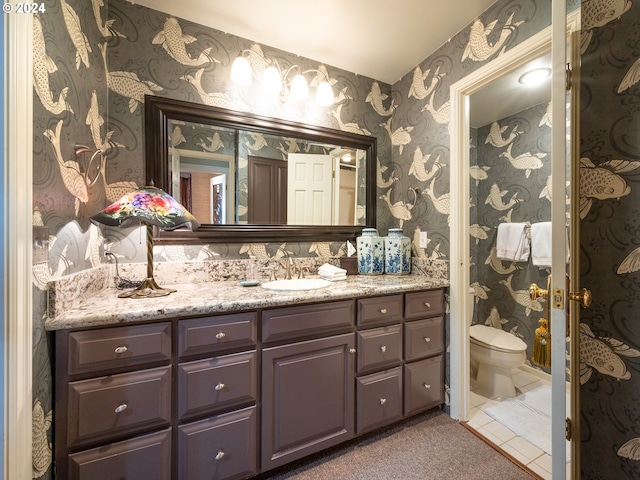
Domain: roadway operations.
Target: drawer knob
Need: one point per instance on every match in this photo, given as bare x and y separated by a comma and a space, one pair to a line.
427, 304
121, 349
427, 339
426, 385
121, 408
383, 348
383, 401
383, 310
220, 335
219, 455
219, 386
352, 350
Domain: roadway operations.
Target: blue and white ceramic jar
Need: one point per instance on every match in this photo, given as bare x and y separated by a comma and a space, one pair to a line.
397, 252
370, 247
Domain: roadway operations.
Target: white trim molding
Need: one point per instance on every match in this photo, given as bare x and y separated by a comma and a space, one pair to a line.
17, 204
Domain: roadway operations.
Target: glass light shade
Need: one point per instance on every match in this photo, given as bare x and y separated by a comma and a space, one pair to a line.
299, 89
324, 94
150, 206
536, 76
271, 81
241, 71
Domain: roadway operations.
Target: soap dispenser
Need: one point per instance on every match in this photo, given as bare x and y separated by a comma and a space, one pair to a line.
251, 272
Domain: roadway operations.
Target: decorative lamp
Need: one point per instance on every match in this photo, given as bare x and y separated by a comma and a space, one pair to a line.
149, 206
299, 88
241, 72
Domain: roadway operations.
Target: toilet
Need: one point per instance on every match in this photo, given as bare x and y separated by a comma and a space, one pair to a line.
494, 354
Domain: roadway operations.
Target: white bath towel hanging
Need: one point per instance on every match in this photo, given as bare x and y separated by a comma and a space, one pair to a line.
512, 242
541, 244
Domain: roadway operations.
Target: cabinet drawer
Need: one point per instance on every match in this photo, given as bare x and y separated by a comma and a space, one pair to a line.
424, 304
305, 320
423, 383
379, 310
93, 351
222, 447
423, 338
213, 334
216, 383
148, 456
105, 407
379, 348
379, 399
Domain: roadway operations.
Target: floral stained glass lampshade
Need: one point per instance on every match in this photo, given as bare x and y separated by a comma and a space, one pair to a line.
149, 206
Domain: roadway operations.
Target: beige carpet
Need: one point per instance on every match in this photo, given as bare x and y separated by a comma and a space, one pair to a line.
428, 446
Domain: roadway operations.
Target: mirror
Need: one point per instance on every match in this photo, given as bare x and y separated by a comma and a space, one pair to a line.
242, 175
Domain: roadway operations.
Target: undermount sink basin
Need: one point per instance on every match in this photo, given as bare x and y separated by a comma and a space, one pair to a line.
296, 284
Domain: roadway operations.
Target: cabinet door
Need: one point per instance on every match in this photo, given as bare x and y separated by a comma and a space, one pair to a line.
219, 448
148, 456
424, 386
307, 398
379, 399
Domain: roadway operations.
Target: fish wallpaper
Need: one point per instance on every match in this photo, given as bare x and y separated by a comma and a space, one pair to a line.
94, 60
610, 239
511, 183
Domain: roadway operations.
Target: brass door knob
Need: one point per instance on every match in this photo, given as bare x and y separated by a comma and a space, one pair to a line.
583, 297
535, 292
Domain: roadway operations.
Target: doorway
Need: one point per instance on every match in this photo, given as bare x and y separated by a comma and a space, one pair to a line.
506, 197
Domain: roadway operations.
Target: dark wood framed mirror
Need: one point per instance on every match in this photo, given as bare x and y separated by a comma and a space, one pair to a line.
163, 115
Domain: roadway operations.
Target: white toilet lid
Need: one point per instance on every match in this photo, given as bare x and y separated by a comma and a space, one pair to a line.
497, 338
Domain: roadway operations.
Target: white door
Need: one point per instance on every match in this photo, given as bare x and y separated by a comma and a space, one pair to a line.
309, 189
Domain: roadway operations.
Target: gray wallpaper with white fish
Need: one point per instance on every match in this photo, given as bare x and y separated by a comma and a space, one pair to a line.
94, 61
610, 239
514, 155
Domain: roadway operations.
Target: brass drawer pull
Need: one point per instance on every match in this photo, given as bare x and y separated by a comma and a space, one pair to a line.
383, 310
427, 304
121, 349
121, 408
383, 401
219, 386
220, 335
427, 339
219, 455
426, 385
383, 348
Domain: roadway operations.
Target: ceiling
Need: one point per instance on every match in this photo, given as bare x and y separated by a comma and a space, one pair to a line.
380, 39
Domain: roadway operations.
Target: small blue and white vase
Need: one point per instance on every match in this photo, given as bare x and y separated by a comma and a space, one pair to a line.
370, 248
397, 252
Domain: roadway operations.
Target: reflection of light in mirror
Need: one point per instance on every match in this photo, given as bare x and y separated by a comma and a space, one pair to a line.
347, 157
534, 77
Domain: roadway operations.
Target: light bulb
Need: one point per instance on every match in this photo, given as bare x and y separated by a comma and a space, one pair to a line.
241, 71
271, 82
299, 89
324, 94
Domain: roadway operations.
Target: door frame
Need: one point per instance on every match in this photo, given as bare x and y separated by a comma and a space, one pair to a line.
460, 307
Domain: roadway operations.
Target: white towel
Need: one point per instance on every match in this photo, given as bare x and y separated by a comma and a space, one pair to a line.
541, 244
512, 242
328, 269
334, 278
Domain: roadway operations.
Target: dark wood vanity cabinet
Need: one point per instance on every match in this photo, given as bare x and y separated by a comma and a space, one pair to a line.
231, 395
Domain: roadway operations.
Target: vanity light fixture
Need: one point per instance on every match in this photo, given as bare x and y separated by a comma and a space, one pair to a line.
289, 83
535, 76
149, 206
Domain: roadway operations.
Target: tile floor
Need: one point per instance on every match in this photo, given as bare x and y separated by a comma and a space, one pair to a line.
535, 459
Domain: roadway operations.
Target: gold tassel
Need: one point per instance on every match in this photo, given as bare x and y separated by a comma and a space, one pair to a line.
542, 345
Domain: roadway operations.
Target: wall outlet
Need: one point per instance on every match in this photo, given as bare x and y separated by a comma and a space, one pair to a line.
423, 239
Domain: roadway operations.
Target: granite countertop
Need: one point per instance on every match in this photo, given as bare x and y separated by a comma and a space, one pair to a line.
105, 308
